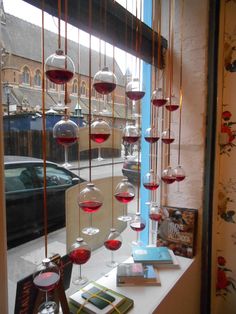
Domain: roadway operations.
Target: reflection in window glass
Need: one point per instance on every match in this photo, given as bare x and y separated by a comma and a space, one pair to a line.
54, 176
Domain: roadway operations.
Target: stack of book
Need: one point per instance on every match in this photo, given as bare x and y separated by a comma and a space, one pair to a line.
97, 299
137, 274
159, 257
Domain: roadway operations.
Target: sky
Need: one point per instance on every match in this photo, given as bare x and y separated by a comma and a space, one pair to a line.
19, 8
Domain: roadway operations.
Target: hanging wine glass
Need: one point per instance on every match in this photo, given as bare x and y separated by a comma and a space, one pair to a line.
104, 82
113, 242
66, 133
168, 175
90, 200
151, 182
131, 135
167, 137
158, 99
46, 278
179, 175
151, 135
60, 68
79, 254
137, 224
124, 193
100, 131
173, 104
156, 215
135, 90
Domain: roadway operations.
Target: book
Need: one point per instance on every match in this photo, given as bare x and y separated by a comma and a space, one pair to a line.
151, 255
175, 263
127, 277
78, 304
178, 231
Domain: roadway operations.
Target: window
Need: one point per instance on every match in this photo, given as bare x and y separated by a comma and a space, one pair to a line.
83, 89
51, 85
26, 75
75, 87
37, 78
54, 176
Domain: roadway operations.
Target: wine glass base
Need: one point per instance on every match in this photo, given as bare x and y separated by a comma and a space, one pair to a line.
124, 218
90, 230
137, 243
49, 307
81, 281
99, 159
112, 264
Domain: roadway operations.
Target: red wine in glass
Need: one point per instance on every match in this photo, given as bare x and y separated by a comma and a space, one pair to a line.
113, 244
151, 139
137, 226
90, 206
104, 87
79, 256
131, 139
167, 140
124, 197
155, 217
172, 107
135, 95
59, 76
66, 141
99, 137
152, 186
179, 178
46, 281
168, 179
159, 102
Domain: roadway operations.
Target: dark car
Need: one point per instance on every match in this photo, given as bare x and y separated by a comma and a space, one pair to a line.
131, 169
24, 181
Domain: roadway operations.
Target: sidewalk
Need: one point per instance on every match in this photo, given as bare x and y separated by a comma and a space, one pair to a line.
83, 164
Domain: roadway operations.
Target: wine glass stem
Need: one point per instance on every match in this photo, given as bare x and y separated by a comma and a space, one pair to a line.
124, 210
46, 297
112, 257
91, 220
105, 103
66, 154
80, 272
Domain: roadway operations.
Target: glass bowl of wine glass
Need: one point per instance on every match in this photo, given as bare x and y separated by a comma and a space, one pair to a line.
104, 81
60, 68
158, 98
100, 131
135, 90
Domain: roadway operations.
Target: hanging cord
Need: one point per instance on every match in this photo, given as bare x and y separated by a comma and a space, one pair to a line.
66, 86
44, 143
59, 24
171, 35
181, 79
113, 141
90, 71
105, 29
126, 43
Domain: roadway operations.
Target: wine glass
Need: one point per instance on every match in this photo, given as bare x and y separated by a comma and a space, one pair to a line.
90, 199
135, 90
46, 278
179, 174
100, 132
60, 68
167, 136
113, 242
104, 82
137, 224
131, 135
173, 104
168, 175
151, 182
124, 193
66, 133
79, 253
151, 135
156, 215
158, 98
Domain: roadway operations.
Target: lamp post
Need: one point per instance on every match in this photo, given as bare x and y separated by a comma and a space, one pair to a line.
7, 91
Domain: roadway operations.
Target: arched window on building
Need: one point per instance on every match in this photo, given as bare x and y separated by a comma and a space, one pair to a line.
37, 79
83, 89
75, 87
26, 75
51, 85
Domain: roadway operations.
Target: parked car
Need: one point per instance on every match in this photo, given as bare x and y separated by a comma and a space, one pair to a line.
24, 192
131, 169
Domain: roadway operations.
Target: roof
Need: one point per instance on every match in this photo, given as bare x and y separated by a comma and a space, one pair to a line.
17, 36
